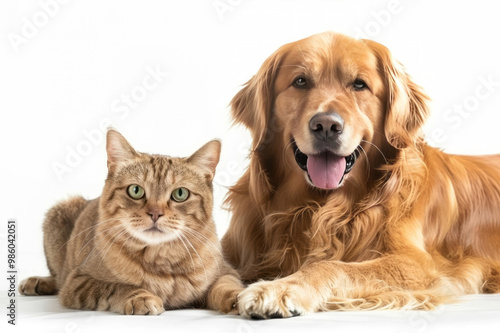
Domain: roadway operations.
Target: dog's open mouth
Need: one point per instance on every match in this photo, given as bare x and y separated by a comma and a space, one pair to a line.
325, 170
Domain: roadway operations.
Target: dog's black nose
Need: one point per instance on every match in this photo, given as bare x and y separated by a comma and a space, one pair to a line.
326, 126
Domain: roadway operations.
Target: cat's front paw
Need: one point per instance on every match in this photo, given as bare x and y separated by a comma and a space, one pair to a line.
143, 304
270, 299
229, 305
37, 285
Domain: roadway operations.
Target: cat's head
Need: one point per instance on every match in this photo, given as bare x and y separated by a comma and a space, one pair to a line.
155, 198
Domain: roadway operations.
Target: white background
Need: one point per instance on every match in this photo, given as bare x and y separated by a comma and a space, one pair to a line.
71, 73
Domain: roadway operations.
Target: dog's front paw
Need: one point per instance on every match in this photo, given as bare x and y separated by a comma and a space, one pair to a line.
270, 299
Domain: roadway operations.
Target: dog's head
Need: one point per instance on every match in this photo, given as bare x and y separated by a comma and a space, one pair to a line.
329, 102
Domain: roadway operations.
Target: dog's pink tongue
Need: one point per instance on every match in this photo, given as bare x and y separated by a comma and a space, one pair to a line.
326, 170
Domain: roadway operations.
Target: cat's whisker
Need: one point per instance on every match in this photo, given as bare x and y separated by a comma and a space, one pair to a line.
175, 220
112, 238
204, 241
187, 250
211, 232
201, 260
115, 219
91, 227
197, 233
99, 248
130, 236
96, 245
91, 239
109, 247
208, 244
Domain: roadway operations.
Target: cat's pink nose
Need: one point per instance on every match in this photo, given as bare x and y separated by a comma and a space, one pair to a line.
155, 214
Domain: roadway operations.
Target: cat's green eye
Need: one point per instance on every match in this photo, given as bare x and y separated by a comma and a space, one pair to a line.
180, 194
135, 191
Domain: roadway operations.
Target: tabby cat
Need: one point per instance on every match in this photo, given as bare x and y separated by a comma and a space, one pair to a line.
147, 244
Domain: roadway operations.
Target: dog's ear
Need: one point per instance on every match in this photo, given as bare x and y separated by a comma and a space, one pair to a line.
407, 106
252, 105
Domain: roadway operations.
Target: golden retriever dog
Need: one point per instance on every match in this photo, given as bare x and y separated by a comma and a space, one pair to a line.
344, 206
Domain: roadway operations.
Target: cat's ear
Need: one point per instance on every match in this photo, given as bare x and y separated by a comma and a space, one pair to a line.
118, 149
207, 157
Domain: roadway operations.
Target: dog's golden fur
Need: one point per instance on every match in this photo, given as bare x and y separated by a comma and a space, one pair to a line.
410, 227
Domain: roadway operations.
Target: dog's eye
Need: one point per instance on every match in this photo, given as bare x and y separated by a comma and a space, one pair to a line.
300, 82
359, 84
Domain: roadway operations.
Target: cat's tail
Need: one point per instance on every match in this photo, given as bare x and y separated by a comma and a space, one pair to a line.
57, 227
